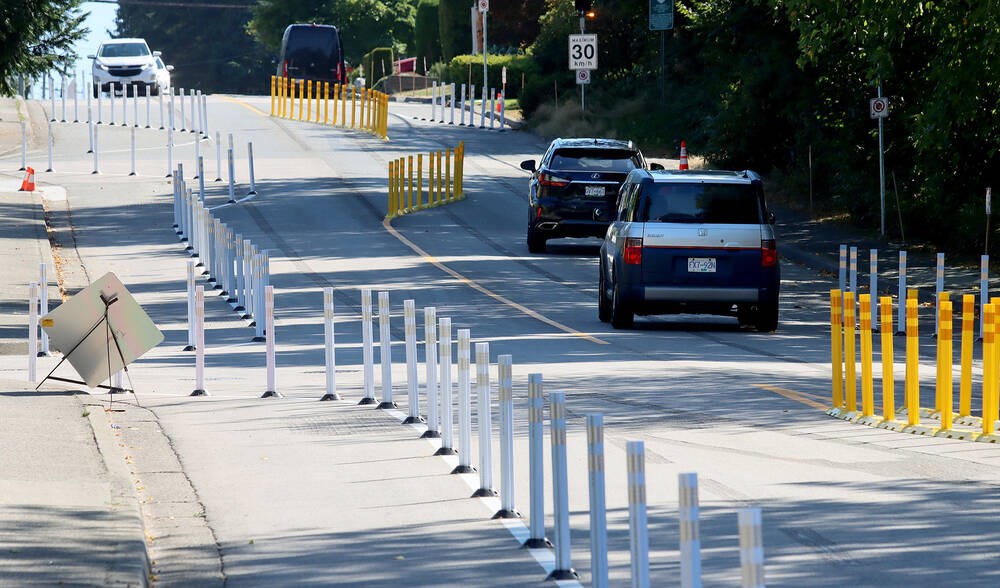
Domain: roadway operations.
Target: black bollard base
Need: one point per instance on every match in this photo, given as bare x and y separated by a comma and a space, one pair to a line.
534, 543
429, 434
412, 420
258, 339
43, 354
328, 397
116, 390
199, 392
504, 513
387, 405
485, 492
446, 451
271, 394
189, 348
366, 400
464, 469
239, 309
569, 574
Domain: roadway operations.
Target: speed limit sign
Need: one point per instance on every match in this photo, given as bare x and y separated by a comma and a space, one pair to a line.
583, 52
879, 107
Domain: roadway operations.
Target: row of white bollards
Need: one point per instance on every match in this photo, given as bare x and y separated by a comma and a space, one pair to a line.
443, 99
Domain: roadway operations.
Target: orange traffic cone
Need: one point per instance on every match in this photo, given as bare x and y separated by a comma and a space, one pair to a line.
28, 184
499, 99
684, 156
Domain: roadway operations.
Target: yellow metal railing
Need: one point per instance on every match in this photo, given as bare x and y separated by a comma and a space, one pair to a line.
445, 170
310, 101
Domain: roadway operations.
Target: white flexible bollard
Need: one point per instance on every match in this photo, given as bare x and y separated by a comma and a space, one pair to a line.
131, 142
536, 465
160, 96
197, 156
135, 106
32, 331
445, 382
170, 151
260, 301
232, 179
24, 146
201, 119
751, 548
52, 86
690, 547
272, 390
461, 108
484, 417
194, 116
367, 352
328, 339
247, 280
232, 285
76, 98
191, 302
873, 285
505, 379
204, 115
493, 108
180, 96
176, 185
62, 97
598, 502
434, 90
431, 368
87, 92
149, 91
43, 305
253, 181
201, 178
199, 346
472, 105
482, 108
464, 405
50, 147
218, 156
852, 270
172, 124
503, 110
111, 101
125, 89
385, 350
100, 105
239, 278
938, 288
984, 289
560, 490
638, 525
410, 335
97, 162
90, 135
901, 317
842, 269
452, 104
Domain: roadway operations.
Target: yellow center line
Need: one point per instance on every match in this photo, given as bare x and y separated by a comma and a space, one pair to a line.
793, 395
243, 104
480, 288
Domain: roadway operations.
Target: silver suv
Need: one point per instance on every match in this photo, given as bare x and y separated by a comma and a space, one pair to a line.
125, 62
698, 242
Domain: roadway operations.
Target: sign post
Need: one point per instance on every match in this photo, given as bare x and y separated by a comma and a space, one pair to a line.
484, 7
880, 110
661, 18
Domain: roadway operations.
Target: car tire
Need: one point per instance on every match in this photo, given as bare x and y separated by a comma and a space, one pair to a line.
767, 317
603, 304
536, 242
97, 90
622, 316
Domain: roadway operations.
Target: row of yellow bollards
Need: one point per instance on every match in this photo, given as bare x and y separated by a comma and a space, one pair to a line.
845, 337
445, 170
368, 110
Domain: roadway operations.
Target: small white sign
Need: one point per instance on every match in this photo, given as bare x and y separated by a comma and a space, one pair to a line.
583, 52
484, 5
583, 76
879, 107
503, 75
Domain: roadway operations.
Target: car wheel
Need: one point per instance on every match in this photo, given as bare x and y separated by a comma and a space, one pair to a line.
536, 242
97, 90
622, 316
767, 317
603, 304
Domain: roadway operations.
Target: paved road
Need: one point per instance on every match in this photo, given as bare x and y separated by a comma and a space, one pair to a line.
242, 491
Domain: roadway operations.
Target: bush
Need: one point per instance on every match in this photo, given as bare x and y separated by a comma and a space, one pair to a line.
426, 34
453, 22
378, 64
468, 69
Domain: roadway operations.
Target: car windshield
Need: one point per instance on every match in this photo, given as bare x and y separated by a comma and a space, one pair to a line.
159, 64
124, 50
701, 203
612, 160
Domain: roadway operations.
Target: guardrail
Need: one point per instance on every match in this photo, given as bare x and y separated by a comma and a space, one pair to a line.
445, 171
323, 103
846, 339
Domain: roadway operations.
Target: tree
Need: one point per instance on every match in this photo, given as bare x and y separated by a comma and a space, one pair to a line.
37, 36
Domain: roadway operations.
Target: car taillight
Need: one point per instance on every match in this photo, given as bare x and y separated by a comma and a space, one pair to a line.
768, 253
633, 251
547, 179
284, 68
538, 213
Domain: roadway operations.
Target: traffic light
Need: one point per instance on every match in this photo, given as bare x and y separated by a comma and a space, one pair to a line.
585, 8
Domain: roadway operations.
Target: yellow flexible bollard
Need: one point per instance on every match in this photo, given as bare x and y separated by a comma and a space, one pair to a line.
989, 366
965, 383
319, 100
354, 97
302, 92
309, 101
431, 184
326, 103
447, 176
945, 351
867, 386
888, 375
390, 206
420, 181
836, 347
272, 95
291, 98
343, 105
460, 173
939, 357
281, 96
335, 103
368, 120
284, 97
440, 187
409, 182
912, 364
850, 360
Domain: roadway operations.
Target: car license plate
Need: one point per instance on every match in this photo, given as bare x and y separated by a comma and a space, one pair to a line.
593, 190
701, 264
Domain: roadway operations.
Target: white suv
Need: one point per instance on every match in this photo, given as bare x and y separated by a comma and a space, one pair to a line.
123, 62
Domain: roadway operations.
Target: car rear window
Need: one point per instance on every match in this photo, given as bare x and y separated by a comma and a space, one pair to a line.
701, 203
612, 160
316, 43
124, 50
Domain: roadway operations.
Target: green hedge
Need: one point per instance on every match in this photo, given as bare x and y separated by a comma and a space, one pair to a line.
468, 69
427, 39
373, 62
456, 34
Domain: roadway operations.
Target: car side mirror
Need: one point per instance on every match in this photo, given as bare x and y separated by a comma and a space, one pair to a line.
157, 53
656, 166
91, 57
528, 165
770, 218
170, 68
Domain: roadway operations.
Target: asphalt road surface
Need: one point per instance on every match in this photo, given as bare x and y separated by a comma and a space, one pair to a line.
247, 492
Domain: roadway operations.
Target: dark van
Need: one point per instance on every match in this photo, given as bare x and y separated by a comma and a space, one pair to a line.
312, 52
